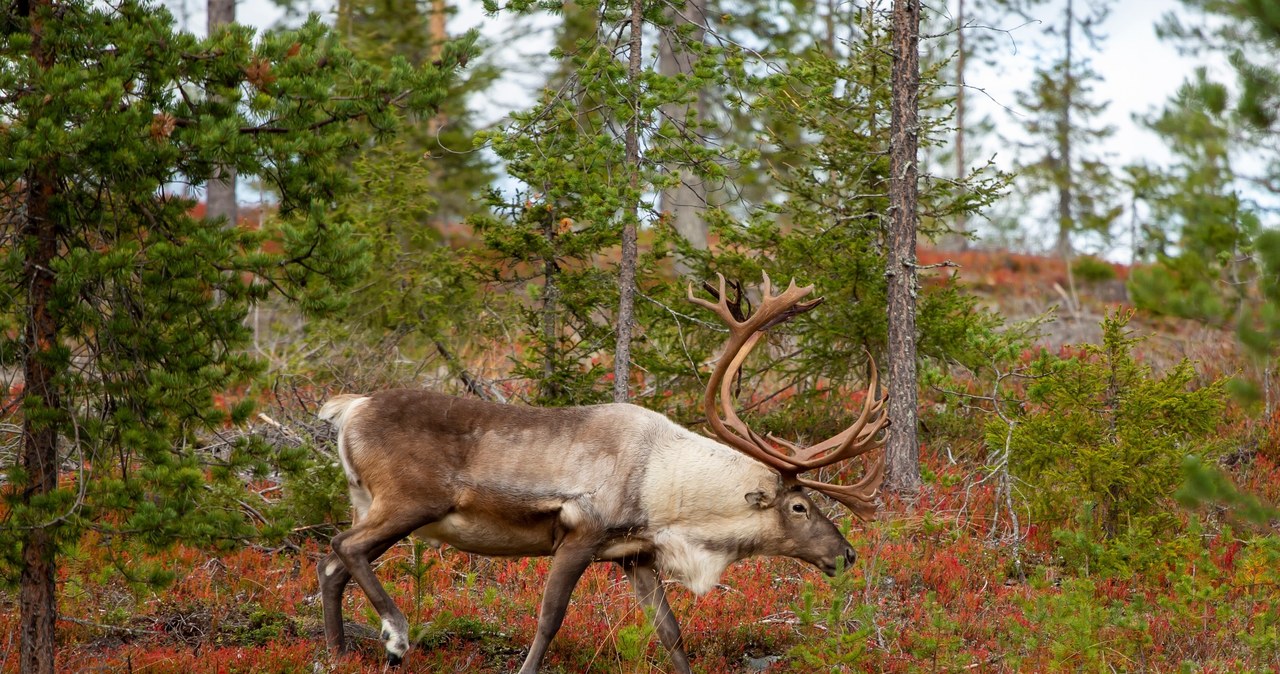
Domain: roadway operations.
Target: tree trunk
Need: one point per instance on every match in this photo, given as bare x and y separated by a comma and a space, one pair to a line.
549, 389
1064, 177
627, 266
902, 447
220, 192
962, 164
686, 200
37, 601
38, 604
438, 32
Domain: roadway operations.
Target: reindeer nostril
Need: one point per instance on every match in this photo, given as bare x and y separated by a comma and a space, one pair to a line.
849, 558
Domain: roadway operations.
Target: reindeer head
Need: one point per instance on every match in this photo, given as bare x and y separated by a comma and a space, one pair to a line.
809, 535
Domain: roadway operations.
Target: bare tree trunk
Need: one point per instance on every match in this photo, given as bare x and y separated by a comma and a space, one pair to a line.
438, 32
903, 448
549, 388
220, 194
962, 164
627, 266
1064, 177
833, 6
37, 602
687, 199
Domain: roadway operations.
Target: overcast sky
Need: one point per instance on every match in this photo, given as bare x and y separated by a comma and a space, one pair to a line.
1138, 72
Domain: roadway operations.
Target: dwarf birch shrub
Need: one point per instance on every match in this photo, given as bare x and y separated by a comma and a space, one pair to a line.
1100, 439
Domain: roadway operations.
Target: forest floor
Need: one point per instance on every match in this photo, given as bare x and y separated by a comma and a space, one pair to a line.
946, 583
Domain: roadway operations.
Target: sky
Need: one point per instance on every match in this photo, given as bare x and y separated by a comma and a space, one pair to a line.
1138, 71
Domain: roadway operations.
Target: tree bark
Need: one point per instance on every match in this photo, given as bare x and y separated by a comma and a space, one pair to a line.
38, 590
686, 200
962, 164
1064, 177
37, 601
627, 266
438, 32
550, 311
903, 450
220, 192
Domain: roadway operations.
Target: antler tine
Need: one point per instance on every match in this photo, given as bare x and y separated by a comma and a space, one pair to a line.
855, 440
720, 306
858, 439
743, 337
774, 309
859, 498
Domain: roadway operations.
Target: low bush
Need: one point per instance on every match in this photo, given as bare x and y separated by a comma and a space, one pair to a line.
1100, 439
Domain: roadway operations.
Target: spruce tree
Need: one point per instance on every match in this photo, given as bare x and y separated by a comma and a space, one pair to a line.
126, 312
1206, 225
1061, 123
964, 39
588, 158
1220, 198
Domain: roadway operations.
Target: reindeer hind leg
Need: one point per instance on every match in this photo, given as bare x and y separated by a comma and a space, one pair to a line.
333, 577
357, 549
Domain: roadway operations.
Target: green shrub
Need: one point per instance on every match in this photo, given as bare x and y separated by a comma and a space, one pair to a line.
844, 627
1101, 440
1078, 632
314, 493
1092, 270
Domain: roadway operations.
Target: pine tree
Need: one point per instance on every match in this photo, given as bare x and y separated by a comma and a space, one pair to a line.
587, 157
127, 311
679, 47
963, 41
414, 195
828, 222
1219, 200
380, 32
1061, 114
220, 194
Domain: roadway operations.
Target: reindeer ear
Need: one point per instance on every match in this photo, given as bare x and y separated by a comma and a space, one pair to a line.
760, 498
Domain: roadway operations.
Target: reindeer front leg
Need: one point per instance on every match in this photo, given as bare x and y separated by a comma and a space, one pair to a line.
648, 587
571, 559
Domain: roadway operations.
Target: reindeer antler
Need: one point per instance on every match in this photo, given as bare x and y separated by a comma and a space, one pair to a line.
856, 440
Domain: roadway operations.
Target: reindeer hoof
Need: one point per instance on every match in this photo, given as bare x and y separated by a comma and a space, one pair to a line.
397, 644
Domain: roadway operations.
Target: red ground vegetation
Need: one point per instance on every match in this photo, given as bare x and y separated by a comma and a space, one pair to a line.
931, 592
941, 584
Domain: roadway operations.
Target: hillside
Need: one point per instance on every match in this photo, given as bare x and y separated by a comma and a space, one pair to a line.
954, 581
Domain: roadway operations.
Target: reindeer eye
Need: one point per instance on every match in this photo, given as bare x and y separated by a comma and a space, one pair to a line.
797, 508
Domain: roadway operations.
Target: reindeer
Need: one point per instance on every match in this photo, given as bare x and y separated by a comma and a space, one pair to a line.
605, 483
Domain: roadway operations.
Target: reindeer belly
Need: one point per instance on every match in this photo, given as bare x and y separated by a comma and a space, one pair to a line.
482, 534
